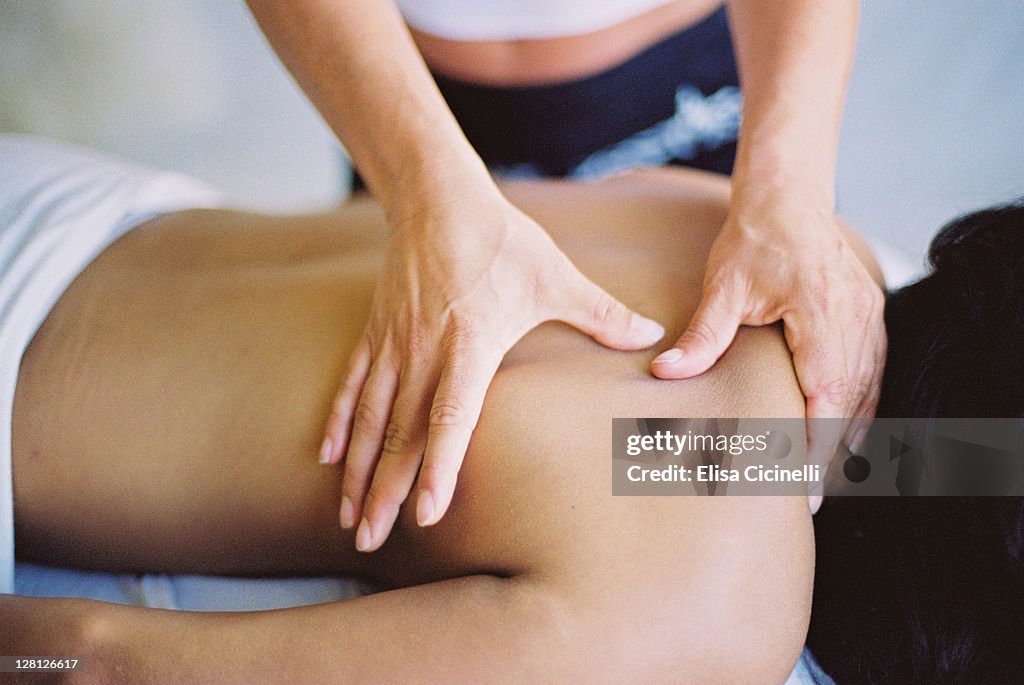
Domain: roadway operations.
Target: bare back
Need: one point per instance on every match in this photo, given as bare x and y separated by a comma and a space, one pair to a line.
168, 412
207, 345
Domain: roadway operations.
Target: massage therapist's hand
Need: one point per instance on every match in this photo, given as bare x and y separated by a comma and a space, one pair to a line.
462, 282
779, 260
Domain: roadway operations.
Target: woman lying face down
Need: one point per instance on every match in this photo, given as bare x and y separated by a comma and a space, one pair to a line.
167, 419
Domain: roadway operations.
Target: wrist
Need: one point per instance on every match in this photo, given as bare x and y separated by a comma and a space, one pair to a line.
774, 165
768, 181
435, 197
432, 180
781, 209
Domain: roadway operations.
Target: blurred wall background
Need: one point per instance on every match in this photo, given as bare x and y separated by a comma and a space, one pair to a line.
933, 124
189, 85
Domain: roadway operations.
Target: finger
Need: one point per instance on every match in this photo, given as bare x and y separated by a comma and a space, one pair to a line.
709, 334
824, 433
369, 422
860, 371
339, 423
591, 309
867, 385
865, 319
872, 381
820, 362
453, 416
400, 457
875, 392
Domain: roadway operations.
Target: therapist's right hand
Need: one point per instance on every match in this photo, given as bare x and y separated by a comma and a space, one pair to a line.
462, 281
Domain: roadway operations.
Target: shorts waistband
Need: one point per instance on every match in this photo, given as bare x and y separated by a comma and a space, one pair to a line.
556, 125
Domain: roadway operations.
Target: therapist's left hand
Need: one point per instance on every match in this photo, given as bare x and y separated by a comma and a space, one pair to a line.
783, 260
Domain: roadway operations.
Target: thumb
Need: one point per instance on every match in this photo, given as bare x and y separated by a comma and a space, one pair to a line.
592, 310
708, 336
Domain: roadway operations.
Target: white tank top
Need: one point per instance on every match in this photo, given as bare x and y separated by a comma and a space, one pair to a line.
518, 19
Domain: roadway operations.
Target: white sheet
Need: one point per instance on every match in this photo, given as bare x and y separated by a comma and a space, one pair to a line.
190, 593
898, 266
60, 206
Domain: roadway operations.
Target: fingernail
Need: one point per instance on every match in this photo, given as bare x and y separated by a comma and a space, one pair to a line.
325, 451
858, 441
348, 513
646, 329
425, 508
814, 503
669, 356
363, 537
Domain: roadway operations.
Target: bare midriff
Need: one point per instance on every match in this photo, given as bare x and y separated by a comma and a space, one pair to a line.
550, 60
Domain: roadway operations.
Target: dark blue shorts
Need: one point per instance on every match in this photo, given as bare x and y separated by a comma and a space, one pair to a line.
676, 102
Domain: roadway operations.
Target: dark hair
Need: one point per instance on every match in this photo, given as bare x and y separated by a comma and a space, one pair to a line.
931, 589
956, 337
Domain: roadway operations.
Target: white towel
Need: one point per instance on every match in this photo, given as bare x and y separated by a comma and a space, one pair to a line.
60, 206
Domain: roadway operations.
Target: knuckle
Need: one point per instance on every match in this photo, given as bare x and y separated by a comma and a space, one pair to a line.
862, 388
354, 479
722, 286
350, 386
865, 303
605, 308
461, 333
816, 290
417, 342
837, 391
397, 439
870, 406
818, 297
701, 333
343, 400
434, 471
447, 413
380, 499
367, 419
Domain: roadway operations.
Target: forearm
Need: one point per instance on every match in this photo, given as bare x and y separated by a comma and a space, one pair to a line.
471, 629
794, 59
358, 64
